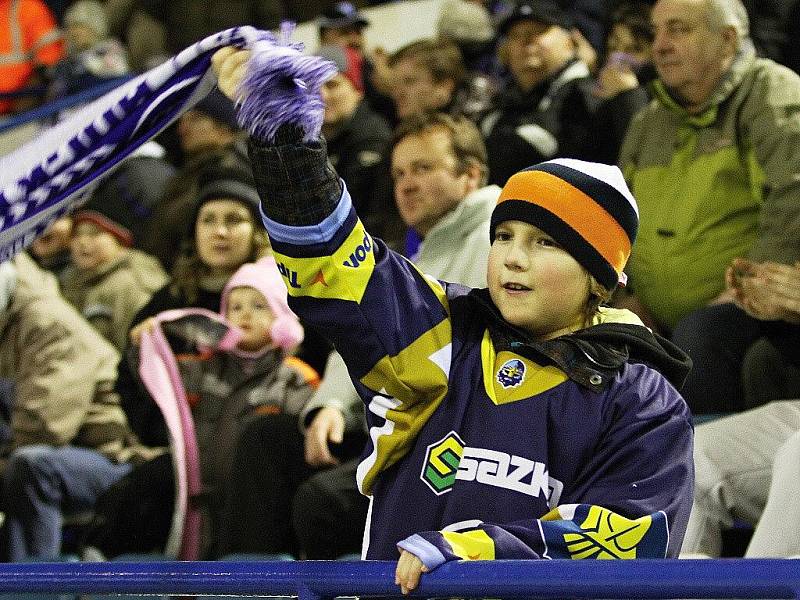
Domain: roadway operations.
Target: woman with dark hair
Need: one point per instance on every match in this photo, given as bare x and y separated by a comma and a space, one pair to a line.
224, 233
621, 82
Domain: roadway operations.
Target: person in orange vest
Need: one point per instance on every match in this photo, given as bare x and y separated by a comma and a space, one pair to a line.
29, 41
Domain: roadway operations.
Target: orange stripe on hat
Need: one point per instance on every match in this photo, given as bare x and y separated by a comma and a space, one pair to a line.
575, 208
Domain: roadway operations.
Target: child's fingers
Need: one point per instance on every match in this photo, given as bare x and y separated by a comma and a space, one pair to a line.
219, 57
407, 574
230, 69
145, 326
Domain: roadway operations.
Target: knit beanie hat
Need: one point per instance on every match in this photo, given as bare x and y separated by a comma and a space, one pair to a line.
226, 183
263, 275
122, 234
586, 207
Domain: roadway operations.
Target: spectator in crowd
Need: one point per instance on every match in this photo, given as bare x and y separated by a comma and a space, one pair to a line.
620, 83
547, 108
30, 42
221, 236
425, 75
51, 249
108, 282
283, 504
469, 26
713, 161
357, 139
70, 437
226, 389
342, 24
208, 136
748, 465
91, 55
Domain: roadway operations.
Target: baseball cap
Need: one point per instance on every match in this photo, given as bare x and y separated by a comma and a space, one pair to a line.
544, 11
341, 15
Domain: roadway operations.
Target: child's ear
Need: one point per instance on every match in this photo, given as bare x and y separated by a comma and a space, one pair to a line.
598, 291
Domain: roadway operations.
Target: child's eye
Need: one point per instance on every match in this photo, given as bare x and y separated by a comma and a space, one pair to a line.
547, 242
502, 236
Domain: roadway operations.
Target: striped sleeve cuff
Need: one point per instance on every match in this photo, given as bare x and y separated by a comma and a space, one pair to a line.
429, 554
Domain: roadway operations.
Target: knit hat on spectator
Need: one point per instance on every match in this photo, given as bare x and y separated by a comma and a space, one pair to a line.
347, 61
226, 183
90, 13
544, 11
219, 107
585, 207
122, 234
464, 22
342, 15
286, 331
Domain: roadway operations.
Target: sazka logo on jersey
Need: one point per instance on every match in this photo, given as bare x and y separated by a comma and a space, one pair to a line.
512, 373
450, 459
441, 463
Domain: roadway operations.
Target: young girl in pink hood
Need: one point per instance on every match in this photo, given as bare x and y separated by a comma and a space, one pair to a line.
241, 369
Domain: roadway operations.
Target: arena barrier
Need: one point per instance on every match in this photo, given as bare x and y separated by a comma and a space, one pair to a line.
317, 580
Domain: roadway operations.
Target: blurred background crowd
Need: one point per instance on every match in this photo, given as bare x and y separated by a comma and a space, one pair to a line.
434, 105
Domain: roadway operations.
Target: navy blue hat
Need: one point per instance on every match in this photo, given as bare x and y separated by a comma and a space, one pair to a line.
225, 183
219, 107
341, 15
544, 11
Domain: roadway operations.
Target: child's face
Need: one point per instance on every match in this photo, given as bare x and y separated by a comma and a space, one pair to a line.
534, 282
92, 247
249, 311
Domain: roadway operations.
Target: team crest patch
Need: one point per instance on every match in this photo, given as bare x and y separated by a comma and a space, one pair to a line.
441, 463
512, 373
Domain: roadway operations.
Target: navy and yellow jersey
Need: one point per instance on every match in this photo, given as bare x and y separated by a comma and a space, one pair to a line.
477, 449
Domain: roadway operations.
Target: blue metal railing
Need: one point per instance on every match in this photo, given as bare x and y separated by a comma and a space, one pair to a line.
314, 580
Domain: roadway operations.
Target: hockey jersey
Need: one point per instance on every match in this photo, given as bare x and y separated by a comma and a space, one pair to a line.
483, 443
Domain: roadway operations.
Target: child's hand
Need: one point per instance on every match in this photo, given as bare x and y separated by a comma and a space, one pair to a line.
145, 326
229, 65
409, 570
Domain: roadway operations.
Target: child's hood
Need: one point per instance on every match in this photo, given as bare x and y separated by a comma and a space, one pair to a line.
263, 276
593, 355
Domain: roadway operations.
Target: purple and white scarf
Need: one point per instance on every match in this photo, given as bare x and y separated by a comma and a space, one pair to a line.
56, 171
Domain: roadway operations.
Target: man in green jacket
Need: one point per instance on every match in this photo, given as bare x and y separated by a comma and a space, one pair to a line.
714, 162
